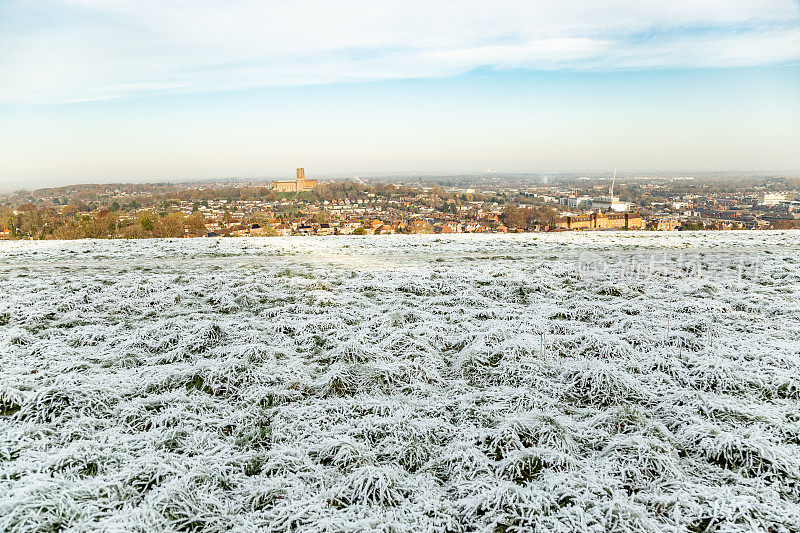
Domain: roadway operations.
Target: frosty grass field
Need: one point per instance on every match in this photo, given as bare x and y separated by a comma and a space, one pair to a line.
560, 382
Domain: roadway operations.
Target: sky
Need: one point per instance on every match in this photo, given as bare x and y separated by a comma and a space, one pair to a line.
120, 90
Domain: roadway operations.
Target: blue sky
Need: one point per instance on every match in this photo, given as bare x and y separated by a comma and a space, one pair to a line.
114, 90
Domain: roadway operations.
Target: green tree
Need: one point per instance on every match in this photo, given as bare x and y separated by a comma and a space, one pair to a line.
148, 221
691, 226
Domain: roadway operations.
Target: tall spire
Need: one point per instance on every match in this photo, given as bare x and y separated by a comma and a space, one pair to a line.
611, 189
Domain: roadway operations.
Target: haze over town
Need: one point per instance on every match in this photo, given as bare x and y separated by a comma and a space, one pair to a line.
128, 91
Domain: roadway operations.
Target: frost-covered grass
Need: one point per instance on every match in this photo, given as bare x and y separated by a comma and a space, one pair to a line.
467, 383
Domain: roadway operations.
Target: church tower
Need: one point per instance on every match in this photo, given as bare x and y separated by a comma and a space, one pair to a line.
299, 185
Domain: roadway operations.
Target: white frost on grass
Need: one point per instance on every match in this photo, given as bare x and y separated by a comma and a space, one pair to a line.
445, 384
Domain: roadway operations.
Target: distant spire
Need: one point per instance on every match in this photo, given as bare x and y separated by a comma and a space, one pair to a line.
611, 189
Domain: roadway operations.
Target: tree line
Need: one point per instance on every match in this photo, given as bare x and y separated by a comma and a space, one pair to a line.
30, 221
527, 217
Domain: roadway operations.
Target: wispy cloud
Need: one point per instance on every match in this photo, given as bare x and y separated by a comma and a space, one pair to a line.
73, 50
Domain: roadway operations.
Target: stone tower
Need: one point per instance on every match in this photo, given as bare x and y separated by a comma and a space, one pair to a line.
301, 175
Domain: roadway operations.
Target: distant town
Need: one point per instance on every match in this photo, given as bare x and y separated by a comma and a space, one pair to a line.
461, 204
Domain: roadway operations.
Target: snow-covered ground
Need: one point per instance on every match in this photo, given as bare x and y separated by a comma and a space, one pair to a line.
577, 381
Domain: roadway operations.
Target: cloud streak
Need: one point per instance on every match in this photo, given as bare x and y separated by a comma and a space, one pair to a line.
63, 51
